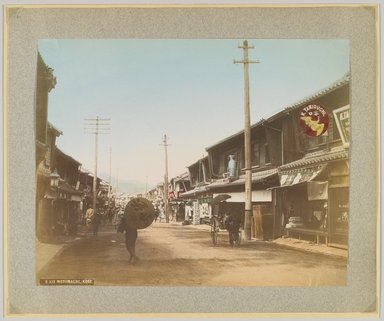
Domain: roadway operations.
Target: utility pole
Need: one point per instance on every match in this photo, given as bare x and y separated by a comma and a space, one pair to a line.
96, 126
247, 142
117, 183
110, 177
166, 179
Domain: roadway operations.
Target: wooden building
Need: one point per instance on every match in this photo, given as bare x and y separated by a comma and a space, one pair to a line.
44, 185
198, 199
66, 197
266, 157
300, 183
86, 186
177, 186
312, 199
45, 138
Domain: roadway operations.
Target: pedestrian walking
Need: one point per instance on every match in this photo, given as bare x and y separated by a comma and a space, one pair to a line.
130, 240
232, 225
96, 223
88, 219
157, 213
162, 214
119, 216
110, 215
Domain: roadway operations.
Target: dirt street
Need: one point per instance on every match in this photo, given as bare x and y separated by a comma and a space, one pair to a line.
171, 254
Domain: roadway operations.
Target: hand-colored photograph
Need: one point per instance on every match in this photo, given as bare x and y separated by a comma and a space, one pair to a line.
192, 162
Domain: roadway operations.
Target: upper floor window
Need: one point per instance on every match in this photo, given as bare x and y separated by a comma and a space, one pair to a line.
233, 154
267, 156
256, 155
329, 136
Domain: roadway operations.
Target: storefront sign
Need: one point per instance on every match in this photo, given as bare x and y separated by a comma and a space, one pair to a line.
76, 198
196, 213
314, 120
341, 116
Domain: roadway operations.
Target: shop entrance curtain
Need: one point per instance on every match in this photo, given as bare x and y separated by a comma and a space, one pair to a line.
317, 190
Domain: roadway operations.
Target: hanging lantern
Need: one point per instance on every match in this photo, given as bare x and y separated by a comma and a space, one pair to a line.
55, 178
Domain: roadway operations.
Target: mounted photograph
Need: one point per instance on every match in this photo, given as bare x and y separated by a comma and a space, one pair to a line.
192, 161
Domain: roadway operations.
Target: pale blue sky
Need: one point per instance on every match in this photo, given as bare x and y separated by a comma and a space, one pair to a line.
187, 89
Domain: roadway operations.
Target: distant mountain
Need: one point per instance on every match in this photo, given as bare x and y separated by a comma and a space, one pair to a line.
128, 186
133, 186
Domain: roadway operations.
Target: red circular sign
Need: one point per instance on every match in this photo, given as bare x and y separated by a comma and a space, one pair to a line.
314, 120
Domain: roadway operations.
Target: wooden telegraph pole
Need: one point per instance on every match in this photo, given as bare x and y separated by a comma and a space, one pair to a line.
166, 179
247, 142
96, 127
110, 177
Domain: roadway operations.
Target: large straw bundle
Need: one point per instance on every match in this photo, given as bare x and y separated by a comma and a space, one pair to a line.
139, 213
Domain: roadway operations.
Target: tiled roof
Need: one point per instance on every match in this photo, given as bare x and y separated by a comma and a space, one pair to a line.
196, 191
317, 158
56, 130
61, 153
256, 177
337, 84
241, 132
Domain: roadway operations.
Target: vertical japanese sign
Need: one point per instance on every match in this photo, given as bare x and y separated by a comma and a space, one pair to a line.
196, 213
342, 121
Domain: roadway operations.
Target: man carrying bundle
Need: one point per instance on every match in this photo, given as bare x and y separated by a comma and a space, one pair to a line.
139, 213
130, 239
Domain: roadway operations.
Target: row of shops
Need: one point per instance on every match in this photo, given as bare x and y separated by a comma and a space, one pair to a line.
306, 199
63, 196
300, 183
63, 189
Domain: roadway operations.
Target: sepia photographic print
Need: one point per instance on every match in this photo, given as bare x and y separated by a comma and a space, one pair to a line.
189, 171
197, 234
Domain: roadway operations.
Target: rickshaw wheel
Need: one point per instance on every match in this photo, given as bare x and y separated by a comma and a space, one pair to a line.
214, 230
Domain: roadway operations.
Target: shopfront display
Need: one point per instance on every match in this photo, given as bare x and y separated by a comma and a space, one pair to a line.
312, 201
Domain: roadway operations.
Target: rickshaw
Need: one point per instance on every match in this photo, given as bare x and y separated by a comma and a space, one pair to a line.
221, 220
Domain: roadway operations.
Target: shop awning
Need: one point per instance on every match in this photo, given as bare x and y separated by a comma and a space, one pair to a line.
194, 192
256, 178
257, 196
308, 168
299, 175
64, 192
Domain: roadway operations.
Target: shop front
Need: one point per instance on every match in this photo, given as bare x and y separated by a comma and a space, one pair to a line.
60, 212
262, 217
338, 193
311, 202
300, 216
197, 207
